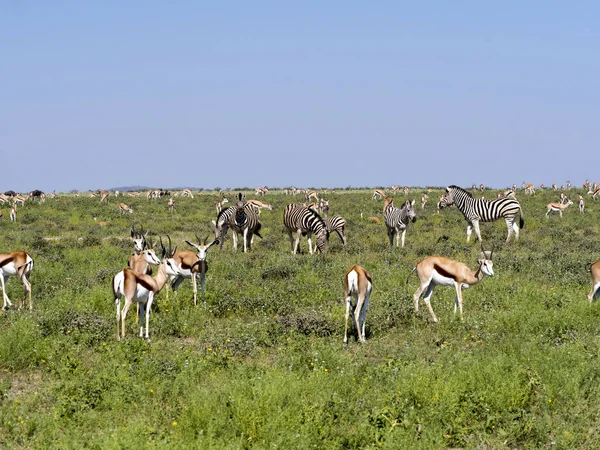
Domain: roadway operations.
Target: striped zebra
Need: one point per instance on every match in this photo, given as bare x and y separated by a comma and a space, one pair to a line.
337, 224
242, 219
305, 221
476, 210
397, 219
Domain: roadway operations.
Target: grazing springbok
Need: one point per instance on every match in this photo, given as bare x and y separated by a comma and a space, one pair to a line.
357, 285
16, 264
440, 271
104, 197
560, 207
378, 194
123, 208
581, 205
258, 205
595, 271
529, 188
140, 288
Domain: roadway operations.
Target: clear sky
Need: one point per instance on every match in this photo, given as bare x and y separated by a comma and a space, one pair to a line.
109, 93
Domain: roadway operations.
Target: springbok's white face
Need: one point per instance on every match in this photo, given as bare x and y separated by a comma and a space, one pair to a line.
202, 249
487, 267
150, 256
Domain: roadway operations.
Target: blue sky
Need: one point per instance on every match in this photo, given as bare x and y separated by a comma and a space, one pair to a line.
320, 94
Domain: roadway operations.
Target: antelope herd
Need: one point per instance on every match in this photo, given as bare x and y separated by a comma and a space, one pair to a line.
135, 284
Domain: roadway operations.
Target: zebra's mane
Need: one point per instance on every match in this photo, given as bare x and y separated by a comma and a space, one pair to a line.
222, 212
458, 188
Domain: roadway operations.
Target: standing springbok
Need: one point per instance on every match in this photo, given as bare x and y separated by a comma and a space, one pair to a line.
123, 208
424, 200
13, 213
171, 205
560, 207
140, 288
581, 205
357, 285
220, 204
140, 260
190, 264
440, 271
16, 264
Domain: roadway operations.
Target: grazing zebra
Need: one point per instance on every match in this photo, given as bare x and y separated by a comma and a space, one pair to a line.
305, 221
244, 222
337, 224
475, 210
397, 219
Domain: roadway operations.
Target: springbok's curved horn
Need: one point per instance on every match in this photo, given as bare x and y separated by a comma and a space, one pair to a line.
198, 240
492, 254
132, 231
169, 237
206, 239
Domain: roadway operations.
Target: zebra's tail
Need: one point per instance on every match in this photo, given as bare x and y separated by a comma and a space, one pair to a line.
411, 272
521, 219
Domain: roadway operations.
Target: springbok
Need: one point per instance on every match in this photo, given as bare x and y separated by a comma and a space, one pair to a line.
190, 264
220, 204
104, 197
560, 207
171, 205
13, 213
424, 200
581, 205
378, 194
595, 271
140, 288
440, 271
357, 285
16, 264
123, 208
258, 205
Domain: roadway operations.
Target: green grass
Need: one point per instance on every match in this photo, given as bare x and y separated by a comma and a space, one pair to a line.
264, 366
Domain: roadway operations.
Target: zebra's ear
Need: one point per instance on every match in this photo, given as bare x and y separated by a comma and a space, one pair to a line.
412, 203
447, 189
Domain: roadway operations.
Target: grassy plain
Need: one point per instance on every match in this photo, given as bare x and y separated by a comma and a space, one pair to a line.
264, 366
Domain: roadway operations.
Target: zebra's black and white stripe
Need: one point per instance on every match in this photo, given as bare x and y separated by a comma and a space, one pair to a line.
476, 210
396, 219
242, 219
305, 221
337, 224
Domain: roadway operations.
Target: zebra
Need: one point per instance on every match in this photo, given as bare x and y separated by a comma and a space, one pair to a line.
475, 210
242, 219
305, 221
337, 224
397, 219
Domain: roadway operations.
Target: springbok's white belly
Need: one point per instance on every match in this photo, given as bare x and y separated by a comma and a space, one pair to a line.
141, 293
9, 270
441, 280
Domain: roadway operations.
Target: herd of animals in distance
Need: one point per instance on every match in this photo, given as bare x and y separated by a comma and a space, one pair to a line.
310, 218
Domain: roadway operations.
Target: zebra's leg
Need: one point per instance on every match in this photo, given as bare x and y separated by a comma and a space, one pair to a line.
403, 234
469, 230
477, 232
308, 236
235, 239
510, 223
391, 237
291, 241
245, 236
397, 237
297, 245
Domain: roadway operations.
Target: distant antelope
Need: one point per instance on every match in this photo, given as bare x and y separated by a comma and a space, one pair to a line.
123, 208
594, 192
581, 205
358, 286
13, 213
405, 190
554, 187
424, 200
542, 187
563, 198
262, 191
324, 207
16, 264
440, 271
378, 194
133, 194
557, 207
220, 205
529, 188
171, 205
187, 193
258, 205
481, 187
395, 188
105, 195
311, 194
